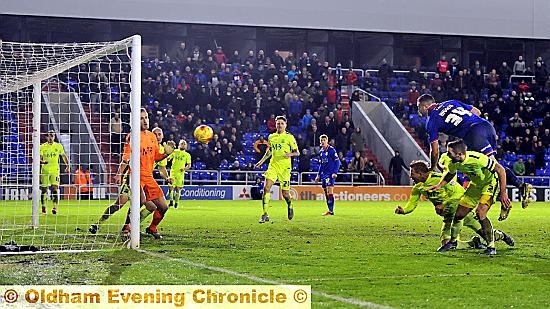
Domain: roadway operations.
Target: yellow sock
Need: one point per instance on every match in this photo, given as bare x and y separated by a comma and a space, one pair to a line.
265, 201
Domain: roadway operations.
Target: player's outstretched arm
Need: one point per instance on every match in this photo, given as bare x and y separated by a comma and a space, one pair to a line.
445, 180
502, 181
434, 154
66, 161
262, 160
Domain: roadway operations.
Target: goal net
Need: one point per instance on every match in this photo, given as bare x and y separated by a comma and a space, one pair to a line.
78, 101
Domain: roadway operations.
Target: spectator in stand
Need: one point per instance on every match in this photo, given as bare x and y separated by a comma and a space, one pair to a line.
351, 80
539, 151
260, 58
277, 60
250, 58
399, 108
454, 67
541, 75
236, 167
328, 127
357, 165
414, 76
342, 140
425, 80
235, 58
396, 167
519, 66
476, 84
508, 145
304, 61
313, 139
515, 120
331, 96
412, 96
181, 53
519, 167
271, 124
385, 72
442, 65
504, 73
260, 147
461, 82
492, 83
436, 82
306, 119
295, 109
370, 168
545, 139
530, 169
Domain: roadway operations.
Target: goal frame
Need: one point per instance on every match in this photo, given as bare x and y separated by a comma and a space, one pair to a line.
35, 79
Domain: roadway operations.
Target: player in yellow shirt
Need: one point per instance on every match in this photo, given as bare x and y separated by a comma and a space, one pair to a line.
282, 147
487, 182
445, 201
181, 162
50, 151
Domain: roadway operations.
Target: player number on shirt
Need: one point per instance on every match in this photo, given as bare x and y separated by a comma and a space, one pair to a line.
455, 116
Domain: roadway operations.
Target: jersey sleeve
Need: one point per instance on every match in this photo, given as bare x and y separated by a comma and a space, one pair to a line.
413, 200
467, 107
487, 162
60, 149
336, 159
292, 142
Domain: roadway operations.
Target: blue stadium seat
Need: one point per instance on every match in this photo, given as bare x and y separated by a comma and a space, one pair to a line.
198, 165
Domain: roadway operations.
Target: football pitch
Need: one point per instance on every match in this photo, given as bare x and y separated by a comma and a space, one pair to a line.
364, 256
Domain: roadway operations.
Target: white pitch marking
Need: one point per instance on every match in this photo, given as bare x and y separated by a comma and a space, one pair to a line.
408, 276
262, 280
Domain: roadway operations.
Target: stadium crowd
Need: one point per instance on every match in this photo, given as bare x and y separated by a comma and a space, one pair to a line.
237, 95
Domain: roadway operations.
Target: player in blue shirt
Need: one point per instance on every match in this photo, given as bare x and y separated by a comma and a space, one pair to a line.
328, 170
463, 121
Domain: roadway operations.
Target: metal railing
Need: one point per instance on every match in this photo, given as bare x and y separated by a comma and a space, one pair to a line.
230, 177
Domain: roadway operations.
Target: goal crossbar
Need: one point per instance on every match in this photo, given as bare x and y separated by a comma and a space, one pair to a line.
28, 79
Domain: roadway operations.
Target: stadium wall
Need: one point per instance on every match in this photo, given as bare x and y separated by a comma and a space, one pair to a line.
242, 192
493, 18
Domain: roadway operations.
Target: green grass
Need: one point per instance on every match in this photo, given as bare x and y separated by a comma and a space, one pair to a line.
364, 253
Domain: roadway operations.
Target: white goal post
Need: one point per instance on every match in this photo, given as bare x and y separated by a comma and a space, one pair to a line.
86, 97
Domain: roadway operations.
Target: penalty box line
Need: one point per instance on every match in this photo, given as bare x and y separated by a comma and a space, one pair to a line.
352, 301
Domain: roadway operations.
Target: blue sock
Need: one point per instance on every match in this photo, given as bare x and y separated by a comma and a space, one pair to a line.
330, 202
512, 178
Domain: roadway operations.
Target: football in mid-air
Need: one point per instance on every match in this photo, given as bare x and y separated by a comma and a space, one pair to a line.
203, 133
